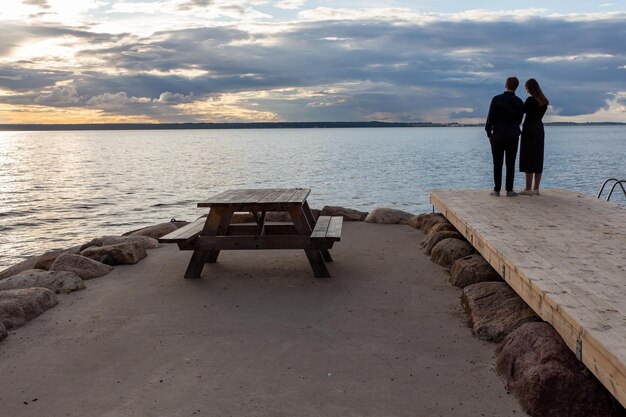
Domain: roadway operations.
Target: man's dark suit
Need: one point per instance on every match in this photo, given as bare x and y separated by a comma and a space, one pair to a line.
505, 115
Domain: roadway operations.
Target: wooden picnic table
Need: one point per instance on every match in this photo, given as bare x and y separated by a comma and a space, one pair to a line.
207, 237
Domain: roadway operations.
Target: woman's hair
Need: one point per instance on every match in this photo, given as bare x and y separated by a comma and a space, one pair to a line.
535, 91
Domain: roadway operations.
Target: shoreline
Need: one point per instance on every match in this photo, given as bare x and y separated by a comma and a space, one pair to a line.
22, 127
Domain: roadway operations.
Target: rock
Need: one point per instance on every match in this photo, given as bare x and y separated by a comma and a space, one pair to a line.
122, 253
3, 332
433, 238
17, 268
388, 216
239, 218
432, 219
471, 270
416, 221
20, 306
46, 260
449, 250
495, 310
277, 216
443, 226
84, 267
146, 241
57, 281
347, 213
158, 230
546, 377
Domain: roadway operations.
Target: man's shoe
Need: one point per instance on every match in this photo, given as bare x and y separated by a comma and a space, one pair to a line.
511, 194
526, 192
495, 193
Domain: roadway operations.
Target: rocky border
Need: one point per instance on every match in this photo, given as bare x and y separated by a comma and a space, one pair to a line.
536, 364
29, 288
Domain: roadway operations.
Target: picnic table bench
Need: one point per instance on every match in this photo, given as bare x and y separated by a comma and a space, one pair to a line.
208, 236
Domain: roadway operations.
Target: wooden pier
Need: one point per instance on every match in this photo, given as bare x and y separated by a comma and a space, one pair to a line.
565, 254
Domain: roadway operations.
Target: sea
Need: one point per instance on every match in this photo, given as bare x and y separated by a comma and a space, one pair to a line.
63, 188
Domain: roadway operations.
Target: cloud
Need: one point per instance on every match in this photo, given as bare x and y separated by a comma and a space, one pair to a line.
192, 4
289, 4
60, 95
39, 3
174, 98
570, 58
403, 65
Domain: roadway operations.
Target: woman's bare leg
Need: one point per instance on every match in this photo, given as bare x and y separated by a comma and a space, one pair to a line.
529, 180
537, 180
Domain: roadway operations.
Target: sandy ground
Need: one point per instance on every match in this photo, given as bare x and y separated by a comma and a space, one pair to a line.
258, 335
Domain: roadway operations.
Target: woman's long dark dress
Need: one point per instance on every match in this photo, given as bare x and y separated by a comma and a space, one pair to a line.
531, 145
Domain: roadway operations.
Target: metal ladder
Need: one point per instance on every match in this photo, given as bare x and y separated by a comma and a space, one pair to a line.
620, 182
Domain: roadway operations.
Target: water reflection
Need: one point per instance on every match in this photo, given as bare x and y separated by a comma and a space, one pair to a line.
62, 188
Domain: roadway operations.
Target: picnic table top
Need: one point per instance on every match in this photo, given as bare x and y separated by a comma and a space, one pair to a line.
259, 199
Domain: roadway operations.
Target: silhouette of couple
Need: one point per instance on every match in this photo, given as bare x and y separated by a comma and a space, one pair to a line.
505, 115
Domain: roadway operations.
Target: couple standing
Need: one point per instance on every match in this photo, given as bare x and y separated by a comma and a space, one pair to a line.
505, 115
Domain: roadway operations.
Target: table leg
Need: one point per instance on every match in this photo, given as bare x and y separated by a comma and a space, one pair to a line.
216, 224
311, 219
315, 257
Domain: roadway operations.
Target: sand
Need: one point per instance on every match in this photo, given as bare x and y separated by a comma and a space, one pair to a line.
258, 335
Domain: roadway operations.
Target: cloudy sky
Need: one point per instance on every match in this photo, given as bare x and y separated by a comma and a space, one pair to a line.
99, 61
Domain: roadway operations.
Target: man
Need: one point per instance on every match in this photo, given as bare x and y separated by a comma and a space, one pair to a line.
505, 115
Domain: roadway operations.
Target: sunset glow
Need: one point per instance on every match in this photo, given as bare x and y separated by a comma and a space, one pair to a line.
108, 61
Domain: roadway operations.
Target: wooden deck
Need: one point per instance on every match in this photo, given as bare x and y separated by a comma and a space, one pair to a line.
565, 255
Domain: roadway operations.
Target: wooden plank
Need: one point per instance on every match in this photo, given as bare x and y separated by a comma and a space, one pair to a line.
328, 227
565, 255
334, 228
300, 195
271, 229
315, 257
258, 199
186, 232
214, 243
321, 227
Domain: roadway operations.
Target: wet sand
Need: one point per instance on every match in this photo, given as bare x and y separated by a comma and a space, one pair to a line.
258, 335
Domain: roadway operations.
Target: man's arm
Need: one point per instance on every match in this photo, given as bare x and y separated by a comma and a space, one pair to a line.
489, 122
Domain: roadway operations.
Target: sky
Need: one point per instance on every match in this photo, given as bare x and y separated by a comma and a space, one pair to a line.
162, 61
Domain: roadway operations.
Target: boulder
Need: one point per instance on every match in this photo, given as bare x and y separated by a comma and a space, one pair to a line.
471, 270
158, 230
84, 267
46, 260
3, 332
440, 227
446, 251
347, 213
433, 238
121, 253
388, 216
146, 241
546, 377
277, 216
495, 310
57, 281
432, 219
25, 265
20, 306
242, 218
416, 221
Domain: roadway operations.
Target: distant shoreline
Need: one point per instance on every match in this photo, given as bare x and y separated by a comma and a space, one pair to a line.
255, 125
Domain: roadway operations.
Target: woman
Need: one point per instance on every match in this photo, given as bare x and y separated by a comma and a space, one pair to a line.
531, 145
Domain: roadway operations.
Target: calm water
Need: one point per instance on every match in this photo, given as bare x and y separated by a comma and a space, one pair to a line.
58, 189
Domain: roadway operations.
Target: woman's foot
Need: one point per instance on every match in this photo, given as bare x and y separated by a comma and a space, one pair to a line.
536, 192
526, 192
